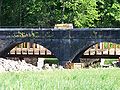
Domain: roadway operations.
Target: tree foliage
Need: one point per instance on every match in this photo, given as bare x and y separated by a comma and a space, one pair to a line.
83, 12
47, 13
109, 11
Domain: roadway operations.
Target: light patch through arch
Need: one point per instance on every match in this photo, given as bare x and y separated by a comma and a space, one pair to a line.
30, 48
106, 48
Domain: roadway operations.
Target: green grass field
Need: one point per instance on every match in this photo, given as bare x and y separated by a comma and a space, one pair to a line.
82, 79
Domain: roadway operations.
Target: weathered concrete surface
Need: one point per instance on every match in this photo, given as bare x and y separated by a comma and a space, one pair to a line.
65, 44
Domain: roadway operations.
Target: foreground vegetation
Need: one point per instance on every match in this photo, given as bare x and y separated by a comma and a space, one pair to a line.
82, 79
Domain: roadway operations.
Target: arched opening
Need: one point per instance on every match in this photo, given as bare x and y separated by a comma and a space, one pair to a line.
95, 53
32, 53
103, 48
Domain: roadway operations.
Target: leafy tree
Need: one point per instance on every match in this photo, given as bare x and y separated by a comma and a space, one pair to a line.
10, 13
83, 13
109, 11
47, 13
44, 13
13, 12
0, 10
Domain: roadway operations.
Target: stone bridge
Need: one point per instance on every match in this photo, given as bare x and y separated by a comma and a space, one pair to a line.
64, 44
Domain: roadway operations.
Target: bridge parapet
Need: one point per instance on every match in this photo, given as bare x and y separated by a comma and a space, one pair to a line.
56, 33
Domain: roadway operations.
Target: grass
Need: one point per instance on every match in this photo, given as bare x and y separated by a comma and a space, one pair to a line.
82, 79
109, 61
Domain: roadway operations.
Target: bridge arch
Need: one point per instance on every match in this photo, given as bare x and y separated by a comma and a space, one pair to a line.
9, 45
65, 44
82, 50
33, 48
106, 46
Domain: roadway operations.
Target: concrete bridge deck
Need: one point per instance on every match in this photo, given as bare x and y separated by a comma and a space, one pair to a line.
64, 44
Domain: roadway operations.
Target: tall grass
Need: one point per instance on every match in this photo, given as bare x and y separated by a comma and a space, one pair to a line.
82, 79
